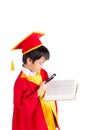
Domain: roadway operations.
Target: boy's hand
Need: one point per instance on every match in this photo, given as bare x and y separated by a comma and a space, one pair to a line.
42, 88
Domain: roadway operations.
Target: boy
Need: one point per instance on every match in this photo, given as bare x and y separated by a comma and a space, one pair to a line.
30, 111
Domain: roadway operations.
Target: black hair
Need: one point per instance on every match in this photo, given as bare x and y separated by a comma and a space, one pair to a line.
36, 54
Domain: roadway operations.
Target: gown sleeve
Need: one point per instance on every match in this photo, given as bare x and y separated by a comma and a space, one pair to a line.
25, 99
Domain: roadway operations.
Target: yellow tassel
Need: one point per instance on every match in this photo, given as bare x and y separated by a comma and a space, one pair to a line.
12, 66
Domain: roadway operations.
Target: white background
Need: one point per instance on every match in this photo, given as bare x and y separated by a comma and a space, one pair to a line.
65, 25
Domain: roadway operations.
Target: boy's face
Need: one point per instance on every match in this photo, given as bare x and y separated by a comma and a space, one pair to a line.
37, 65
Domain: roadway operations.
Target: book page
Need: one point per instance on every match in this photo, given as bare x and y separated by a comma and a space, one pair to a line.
61, 90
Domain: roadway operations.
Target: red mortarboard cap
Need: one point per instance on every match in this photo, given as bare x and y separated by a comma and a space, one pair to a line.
28, 44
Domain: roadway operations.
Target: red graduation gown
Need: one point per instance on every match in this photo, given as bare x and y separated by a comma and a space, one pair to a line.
27, 112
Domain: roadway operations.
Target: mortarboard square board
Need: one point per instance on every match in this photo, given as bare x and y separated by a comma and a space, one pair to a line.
31, 42
61, 90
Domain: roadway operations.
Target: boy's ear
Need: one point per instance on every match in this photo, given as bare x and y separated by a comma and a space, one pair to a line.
29, 60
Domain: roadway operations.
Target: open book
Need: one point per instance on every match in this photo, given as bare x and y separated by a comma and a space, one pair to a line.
61, 90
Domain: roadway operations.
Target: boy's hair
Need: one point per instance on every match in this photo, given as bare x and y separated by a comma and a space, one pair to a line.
36, 54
